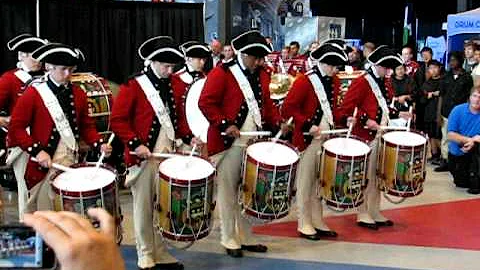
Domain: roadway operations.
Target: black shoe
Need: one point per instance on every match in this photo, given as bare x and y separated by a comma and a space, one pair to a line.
169, 266
371, 226
436, 161
442, 168
326, 233
462, 185
313, 237
255, 248
474, 191
148, 268
235, 253
386, 223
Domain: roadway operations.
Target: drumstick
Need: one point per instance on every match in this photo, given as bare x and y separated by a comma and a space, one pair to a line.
350, 126
5, 129
58, 166
410, 110
157, 155
391, 127
102, 155
279, 133
252, 133
2, 152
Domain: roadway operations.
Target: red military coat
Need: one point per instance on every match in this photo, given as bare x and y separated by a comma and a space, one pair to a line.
133, 117
221, 100
302, 103
10, 90
30, 111
361, 95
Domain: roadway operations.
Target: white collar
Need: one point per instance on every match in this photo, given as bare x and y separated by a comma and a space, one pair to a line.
240, 62
22, 66
155, 73
322, 73
55, 82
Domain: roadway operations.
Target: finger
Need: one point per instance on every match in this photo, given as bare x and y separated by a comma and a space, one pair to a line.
83, 222
54, 236
107, 223
67, 223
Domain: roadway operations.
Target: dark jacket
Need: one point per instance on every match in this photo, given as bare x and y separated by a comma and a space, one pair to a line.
455, 91
431, 104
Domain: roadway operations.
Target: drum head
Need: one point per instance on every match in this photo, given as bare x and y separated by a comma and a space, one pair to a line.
196, 120
346, 147
186, 168
84, 179
271, 153
404, 138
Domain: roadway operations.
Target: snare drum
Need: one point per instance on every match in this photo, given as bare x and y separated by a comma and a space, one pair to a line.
269, 171
185, 198
85, 188
343, 172
402, 159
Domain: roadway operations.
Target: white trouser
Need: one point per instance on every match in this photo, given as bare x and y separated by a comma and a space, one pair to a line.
19, 166
444, 143
151, 249
310, 209
369, 211
235, 228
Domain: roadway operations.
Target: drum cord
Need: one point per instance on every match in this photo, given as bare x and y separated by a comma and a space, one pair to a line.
388, 198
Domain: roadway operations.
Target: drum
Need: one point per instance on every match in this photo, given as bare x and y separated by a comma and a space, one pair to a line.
87, 187
269, 171
402, 159
185, 198
343, 172
99, 98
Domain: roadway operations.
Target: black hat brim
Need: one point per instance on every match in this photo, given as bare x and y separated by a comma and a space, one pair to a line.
197, 53
167, 57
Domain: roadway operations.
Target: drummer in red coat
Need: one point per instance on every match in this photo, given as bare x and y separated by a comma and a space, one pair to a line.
310, 102
12, 85
372, 98
145, 118
196, 55
223, 103
56, 113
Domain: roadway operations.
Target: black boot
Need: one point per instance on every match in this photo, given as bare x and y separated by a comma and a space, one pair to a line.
443, 166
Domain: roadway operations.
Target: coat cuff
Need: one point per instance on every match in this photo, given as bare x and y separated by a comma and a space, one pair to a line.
224, 124
134, 143
34, 149
363, 119
187, 139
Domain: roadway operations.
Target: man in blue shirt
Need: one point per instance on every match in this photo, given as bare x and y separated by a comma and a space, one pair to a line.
464, 149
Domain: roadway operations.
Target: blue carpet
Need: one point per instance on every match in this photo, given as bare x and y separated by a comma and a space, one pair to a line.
206, 261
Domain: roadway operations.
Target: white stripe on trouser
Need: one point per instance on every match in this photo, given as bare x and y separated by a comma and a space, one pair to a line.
19, 166
369, 211
235, 228
151, 249
310, 209
444, 143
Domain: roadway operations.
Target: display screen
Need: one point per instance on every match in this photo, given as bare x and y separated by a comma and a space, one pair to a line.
20, 247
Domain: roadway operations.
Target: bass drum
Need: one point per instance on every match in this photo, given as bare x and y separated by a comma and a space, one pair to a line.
197, 122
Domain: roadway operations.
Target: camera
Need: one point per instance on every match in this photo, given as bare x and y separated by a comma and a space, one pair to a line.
23, 248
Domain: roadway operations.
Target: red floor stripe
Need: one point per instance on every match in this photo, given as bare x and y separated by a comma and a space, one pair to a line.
446, 225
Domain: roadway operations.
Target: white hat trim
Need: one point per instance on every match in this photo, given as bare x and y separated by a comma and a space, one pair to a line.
198, 46
329, 54
150, 56
388, 57
254, 45
77, 53
11, 48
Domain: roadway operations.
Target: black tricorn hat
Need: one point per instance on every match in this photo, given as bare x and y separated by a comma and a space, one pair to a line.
195, 49
25, 43
162, 49
251, 43
330, 54
385, 57
59, 54
340, 42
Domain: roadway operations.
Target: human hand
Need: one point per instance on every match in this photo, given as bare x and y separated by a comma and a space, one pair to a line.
44, 159
142, 152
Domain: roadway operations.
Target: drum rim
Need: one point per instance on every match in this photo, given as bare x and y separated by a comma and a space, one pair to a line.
355, 157
259, 215
183, 182
86, 193
184, 238
392, 144
269, 166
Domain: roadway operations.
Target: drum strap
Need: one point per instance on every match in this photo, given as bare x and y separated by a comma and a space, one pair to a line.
56, 112
322, 97
380, 99
23, 76
158, 107
186, 77
247, 93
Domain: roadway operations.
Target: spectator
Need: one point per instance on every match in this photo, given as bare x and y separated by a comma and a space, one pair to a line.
354, 59
368, 48
430, 93
464, 155
476, 70
76, 243
454, 91
228, 53
470, 62
404, 88
294, 49
410, 64
420, 77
